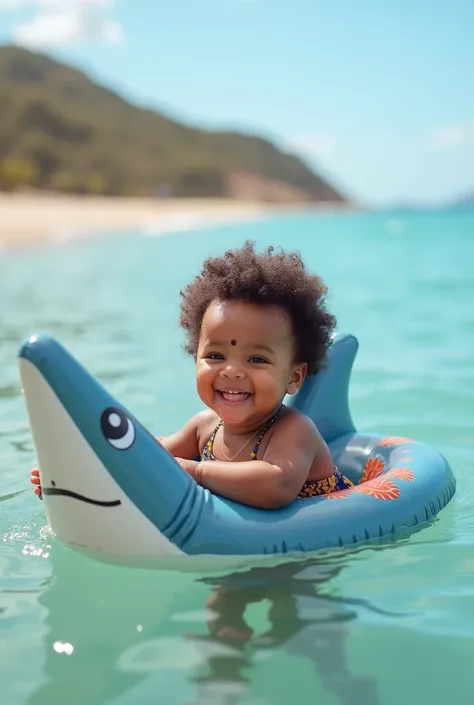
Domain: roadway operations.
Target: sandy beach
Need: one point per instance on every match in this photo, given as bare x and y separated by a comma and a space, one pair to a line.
29, 218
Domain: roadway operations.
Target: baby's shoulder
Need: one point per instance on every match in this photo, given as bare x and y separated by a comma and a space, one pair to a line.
295, 421
294, 430
206, 421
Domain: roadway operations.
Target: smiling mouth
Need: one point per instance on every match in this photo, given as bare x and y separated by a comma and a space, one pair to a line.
233, 396
81, 497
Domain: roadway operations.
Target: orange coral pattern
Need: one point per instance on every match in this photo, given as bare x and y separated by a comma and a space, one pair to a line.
372, 469
401, 474
394, 441
379, 487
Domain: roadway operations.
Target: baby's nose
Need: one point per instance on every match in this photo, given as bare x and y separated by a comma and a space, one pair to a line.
233, 370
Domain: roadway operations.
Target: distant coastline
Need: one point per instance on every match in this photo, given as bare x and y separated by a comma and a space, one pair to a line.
31, 218
64, 132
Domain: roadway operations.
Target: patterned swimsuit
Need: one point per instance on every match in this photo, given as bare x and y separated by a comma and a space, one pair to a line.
335, 482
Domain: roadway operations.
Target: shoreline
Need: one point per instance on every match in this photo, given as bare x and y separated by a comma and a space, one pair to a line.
27, 219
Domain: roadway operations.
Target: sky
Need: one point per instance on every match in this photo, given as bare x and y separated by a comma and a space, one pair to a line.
376, 95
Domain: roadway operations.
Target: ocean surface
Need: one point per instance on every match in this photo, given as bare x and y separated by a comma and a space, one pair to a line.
373, 626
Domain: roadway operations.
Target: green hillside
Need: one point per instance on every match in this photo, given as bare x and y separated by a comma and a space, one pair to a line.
60, 130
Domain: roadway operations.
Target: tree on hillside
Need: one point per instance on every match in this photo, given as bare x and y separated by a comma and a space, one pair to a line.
16, 172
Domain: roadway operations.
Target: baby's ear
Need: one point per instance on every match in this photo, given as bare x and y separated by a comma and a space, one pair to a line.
298, 376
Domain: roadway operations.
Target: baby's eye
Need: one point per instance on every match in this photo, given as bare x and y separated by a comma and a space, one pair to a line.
215, 356
258, 359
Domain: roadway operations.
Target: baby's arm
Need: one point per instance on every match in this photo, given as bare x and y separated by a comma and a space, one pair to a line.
184, 443
277, 479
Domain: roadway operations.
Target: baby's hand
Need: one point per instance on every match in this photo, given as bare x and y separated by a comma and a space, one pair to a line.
35, 480
190, 466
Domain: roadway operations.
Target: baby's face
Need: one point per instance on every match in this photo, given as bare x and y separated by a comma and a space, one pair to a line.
246, 360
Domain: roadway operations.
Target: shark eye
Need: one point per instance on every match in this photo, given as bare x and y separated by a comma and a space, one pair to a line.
117, 428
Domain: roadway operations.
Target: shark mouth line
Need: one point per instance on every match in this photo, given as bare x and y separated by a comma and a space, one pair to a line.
81, 497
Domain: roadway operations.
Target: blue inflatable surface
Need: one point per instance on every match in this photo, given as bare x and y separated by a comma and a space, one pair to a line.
112, 491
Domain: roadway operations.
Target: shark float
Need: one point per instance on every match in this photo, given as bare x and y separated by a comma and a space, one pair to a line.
113, 492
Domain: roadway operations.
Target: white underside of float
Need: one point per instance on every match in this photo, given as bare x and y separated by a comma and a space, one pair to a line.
188, 563
120, 534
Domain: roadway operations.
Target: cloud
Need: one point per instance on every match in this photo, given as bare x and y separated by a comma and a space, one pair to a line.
451, 136
59, 22
13, 4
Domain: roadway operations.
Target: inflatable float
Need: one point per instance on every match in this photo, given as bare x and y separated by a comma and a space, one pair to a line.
113, 492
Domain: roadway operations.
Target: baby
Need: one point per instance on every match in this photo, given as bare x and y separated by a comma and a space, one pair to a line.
256, 325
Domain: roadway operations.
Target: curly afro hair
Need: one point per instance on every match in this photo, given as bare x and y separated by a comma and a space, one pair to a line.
270, 278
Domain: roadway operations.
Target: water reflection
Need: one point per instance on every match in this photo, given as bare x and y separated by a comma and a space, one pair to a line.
95, 618
9, 390
114, 635
306, 619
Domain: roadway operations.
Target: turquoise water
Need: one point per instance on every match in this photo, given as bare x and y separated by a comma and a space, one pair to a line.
376, 626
